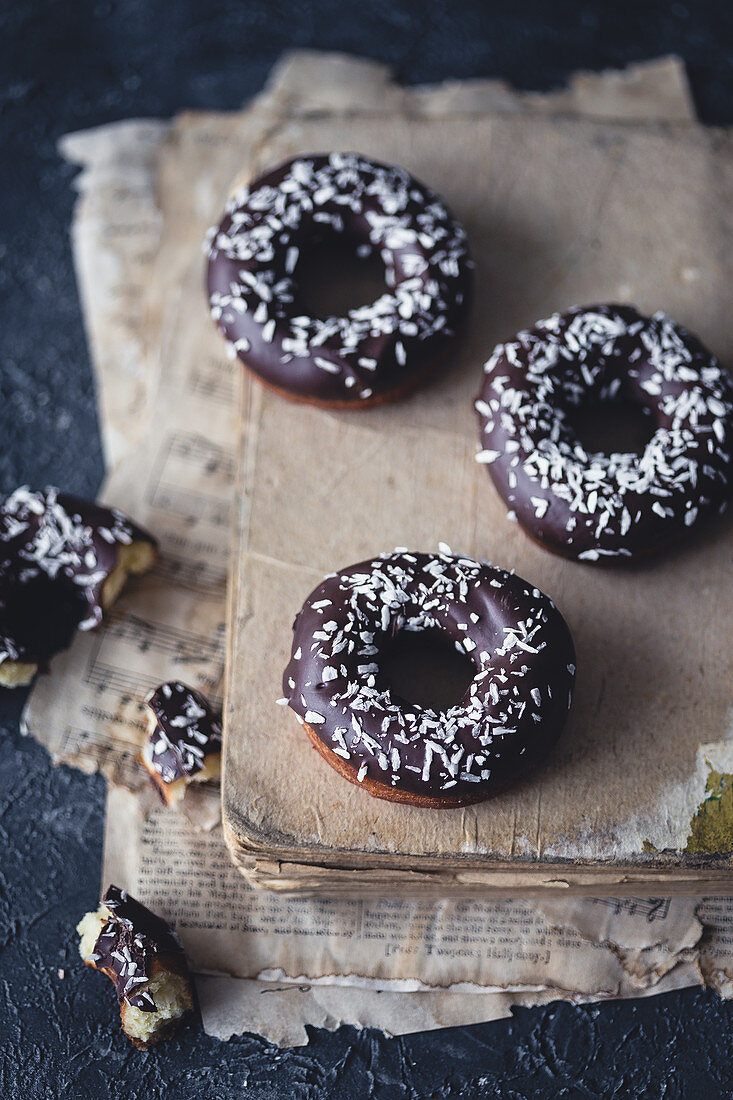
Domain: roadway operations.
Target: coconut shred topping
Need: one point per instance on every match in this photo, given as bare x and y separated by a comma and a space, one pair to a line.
187, 730
128, 943
512, 712
590, 505
253, 277
56, 552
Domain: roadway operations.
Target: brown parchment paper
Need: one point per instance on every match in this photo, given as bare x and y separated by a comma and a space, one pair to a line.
557, 212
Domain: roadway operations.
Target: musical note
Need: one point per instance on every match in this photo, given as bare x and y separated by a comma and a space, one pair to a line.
132, 656
202, 452
102, 752
214, 471
196, 576
184, 644
652, 908
117, 679
212, 383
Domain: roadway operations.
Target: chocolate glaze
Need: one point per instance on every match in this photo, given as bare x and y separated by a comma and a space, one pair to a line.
510, 716
128, 944
187, 730
56, 552
375, 349
592, 506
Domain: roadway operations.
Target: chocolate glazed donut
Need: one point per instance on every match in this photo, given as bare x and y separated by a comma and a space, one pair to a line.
510, 716
375, 352
63, 562
595, 506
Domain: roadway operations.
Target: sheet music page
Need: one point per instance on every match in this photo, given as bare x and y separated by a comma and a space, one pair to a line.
280, 1011
465, 946
716, 947
115, 234
178, 478
168, 624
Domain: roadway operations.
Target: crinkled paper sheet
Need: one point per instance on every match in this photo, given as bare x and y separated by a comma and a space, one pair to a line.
329, 961
170, 472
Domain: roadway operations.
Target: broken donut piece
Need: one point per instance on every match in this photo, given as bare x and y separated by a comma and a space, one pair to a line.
63, 562
144, 958
185, 740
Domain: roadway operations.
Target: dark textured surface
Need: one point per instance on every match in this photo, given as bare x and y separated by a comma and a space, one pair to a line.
67, 65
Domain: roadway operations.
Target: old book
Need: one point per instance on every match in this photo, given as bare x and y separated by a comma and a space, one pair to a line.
558, 213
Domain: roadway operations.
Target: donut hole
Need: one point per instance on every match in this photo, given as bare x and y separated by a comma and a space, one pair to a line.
423, 668
336, 275
616, 425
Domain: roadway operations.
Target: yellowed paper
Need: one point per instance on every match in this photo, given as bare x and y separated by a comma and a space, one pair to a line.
136, 656
279, 1011
306, 83
230, 930
716, 947
115, 235
466, 946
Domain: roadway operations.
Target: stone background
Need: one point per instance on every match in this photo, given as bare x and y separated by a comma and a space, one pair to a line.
69, 64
